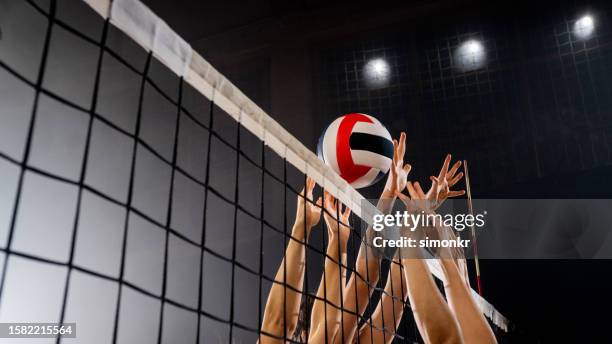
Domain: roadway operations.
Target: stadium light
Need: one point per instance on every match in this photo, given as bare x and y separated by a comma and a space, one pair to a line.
377, 73
584, 27
470, 55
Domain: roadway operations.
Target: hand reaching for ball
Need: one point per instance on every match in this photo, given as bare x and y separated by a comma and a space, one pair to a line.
308, 213
337, 227
398, 173
440, 185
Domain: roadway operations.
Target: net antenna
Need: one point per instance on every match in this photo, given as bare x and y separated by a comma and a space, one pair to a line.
474, 240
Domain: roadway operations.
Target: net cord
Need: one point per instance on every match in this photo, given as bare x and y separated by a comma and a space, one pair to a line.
154, 35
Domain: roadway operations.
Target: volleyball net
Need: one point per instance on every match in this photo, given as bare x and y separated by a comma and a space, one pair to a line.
143, 195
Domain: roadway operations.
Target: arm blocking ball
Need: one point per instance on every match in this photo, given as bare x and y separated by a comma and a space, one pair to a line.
358, 147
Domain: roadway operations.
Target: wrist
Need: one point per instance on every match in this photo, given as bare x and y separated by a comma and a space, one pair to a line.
300, 230
387, 193
448, 266
343, 245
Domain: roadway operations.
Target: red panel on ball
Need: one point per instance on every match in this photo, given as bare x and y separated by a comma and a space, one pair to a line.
348, 169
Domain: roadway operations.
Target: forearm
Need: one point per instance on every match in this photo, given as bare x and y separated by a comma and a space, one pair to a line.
343, 269
367, 266
358, 289
330, 289
282, 308
472, 322
396, 293
295, 256
432, 315
390, 309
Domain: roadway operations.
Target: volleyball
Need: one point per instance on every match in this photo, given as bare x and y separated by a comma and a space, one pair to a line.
358, 147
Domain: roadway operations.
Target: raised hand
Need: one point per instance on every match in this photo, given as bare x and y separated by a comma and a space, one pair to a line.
398, 173
417, 200
308, 213
447, 178
337, 228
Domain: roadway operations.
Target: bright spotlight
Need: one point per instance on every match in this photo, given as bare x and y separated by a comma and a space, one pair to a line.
584, 27
377, 73
470, 55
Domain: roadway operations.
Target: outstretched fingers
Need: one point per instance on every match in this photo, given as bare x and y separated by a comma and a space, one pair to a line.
456, 193
395, 150
419, 190
333, 211
444, 169
455, 179
319, 202
415, 191
330, 203
453, 169
346, 214
411, 191
308, 188
402, 146
434, 180
403, 197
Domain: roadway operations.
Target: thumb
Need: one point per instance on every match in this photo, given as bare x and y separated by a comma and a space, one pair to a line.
407, 168
434, 185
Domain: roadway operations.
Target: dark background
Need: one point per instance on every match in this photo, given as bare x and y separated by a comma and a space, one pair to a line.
535, 122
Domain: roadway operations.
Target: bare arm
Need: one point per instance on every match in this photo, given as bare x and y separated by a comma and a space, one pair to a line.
433, 316
473, 324
390, 309
434, 319
358, 289
283, 305
326, 318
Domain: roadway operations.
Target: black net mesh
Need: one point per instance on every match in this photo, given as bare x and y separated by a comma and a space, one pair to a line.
133, 205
